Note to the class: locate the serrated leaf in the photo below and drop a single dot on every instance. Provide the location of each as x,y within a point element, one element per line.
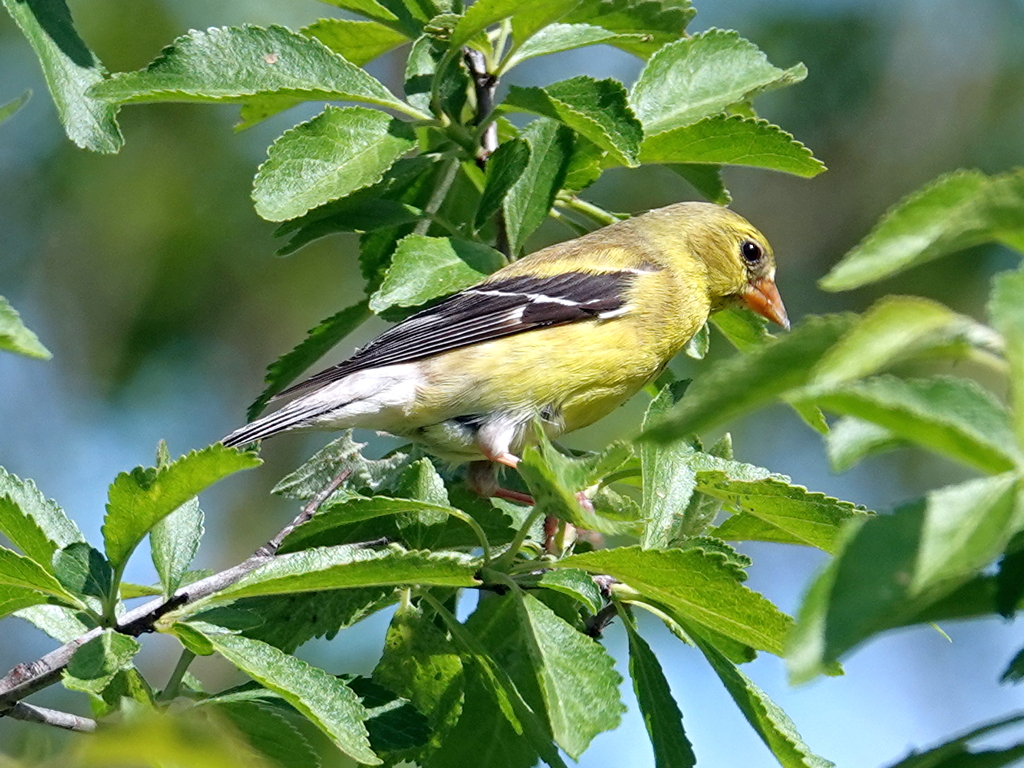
<point>97,662</point>
<point>15,337</point>
<point>706,179</point>
<point>346,566</point>
<point>812,519</point>
<point>421,664</point>
<point>324,699</point>
<point>139,499</point>
<point>575,583</point>
<point>318,342</point>
<point>892,567</point>
<point>596,109</point>
<point>661,714</point>
<point>695,585</point>
<point>643,26</point>
<point>585,166</point>
<point>174,542</point>
<point>33,523</point>
<point>1005,308</point>
<point>394,724</point>
<point>70,68</point>
<point>731,140</point>
<point>560,671</point>
<point>530,198</point>
<point>765,717</point>
<point>956,211</point>
<point>18,574</point>
<point>850,440</point>
<point>504,167</point>
<point>233,64</point>
<point>12,106</point>
<point>370,8</point>
<point>744,329</point>
<point>61,623</point>
<point>357,41</point>
<point>957,752</point>
<point>898,328</point>
<point>425,268</point>
<point>83,570</point>
<point>703,75</point>
<point>741,384</point>
<point>554,38</point>
<point>555,479</point>
<point>270,733</point>
<point>336,457</point>
<point>952,416</point>
<point>336,153</point>
<point>527,17</point>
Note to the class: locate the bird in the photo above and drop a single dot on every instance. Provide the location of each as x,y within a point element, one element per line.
<point>562,337</point>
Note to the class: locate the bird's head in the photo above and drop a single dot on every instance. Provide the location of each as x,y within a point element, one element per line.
<point>737,258</point>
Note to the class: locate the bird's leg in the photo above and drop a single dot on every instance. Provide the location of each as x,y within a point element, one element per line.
<point>482,480</point>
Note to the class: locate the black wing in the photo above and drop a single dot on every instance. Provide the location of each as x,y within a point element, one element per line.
<point>486,312</point>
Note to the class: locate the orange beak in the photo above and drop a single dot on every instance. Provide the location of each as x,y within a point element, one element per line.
<point>763,297</point>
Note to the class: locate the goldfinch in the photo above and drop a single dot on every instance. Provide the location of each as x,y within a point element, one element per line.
<point>566,335</point>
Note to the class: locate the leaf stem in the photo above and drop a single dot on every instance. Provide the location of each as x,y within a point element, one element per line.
<point>591,211</point>
<point>504,563</point>
<point>170,690</point>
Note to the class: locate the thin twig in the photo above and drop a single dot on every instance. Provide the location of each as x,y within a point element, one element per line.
<point>54,717</point>
<point>26,679</point>
<point>485,85</point>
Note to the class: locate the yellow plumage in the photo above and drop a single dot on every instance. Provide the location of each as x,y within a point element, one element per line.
<point>566,334</point>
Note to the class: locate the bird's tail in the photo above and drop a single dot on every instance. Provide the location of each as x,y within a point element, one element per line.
<point>295,415</point>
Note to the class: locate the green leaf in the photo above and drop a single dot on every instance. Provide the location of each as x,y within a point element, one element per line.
<point>324,699</point>
<point>892,567</point>
<point>957,752</point>
<point>597,109</point>
<point>661,714</point>
<point>425,268</point>
<point>527,16</point>
<point>139,499</point>
<point>18,573</point>
<point>70,68</point>
<point>174,542</point>
<point>642,26</point>
<point>699,587</point>
<point>365,475</point>
<point>741,384</point>
<point>530,199</point>
<point>394,724</point>
<point>504,167</point>
<point>318,342</point>
<point>764,715</point>
<point>15,337</point>
<point>370,8</point>
<point>555,479</point>
<point>351,566</point>
<point>1006,307</point>
<point>701,76</point>
<point>357,41</point>
<point>744,329</point>
<point>554,38</point>
<point>12,106</point>
<point>559,671</point>
<point>851,439</point>
<point>336,153</point>
<point>33,523</point>
<point>954,417</point>
<point>233,64</point>
<point>270,733</point>
<point>59,622</point>
<point>421,664</point>
<point>572,582</point>
<point>731,140</point>
<point>97,662</point>
<point>811,519</point>
<point>585,166</point>
<point>83,570</point>
<point>898,328</point>
<point>706,179</point>
<point>956,211</point>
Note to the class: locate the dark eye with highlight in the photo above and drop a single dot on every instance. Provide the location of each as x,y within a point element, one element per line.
<point>751,252</point>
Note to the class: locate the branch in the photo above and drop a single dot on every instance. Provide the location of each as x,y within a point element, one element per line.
<point>54,717</point>
<point>485,84</point>
<point>26,679</point>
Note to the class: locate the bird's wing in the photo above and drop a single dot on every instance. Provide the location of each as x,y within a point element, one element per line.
<point>486,312</point>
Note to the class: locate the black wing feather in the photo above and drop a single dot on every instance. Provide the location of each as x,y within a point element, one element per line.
<point>486,312</point>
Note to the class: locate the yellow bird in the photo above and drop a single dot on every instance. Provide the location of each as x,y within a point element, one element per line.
<point>566,335</point>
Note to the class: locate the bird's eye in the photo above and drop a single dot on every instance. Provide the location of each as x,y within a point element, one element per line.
<point>751,251</point>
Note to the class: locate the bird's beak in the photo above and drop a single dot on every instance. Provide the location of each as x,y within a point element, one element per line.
<point>763,297</point>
